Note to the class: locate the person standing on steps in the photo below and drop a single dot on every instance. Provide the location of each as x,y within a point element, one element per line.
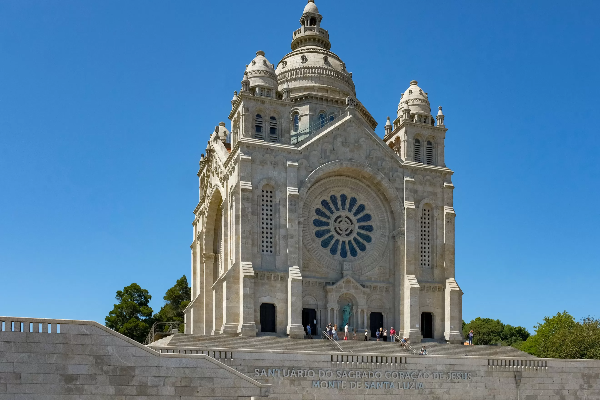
<point>470,336</point>
<point>366,335</point>
<point>308,331</point>
<point>346,332</point>
<point>393,334</point>
<point>385,335</point>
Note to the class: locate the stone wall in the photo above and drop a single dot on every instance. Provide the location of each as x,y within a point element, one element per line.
<point>64,359</point>
<point>88,361</point>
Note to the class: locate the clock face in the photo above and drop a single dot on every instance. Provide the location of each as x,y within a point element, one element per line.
<point>343,225</point>
<point>344,221</point>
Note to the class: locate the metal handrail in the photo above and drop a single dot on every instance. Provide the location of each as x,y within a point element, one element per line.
<point>172,326</point>
<point>406,345</point>
<point>313,128</point>
<point>326,336</point>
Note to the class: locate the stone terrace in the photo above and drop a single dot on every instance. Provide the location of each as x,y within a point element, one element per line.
<point>276,344</point>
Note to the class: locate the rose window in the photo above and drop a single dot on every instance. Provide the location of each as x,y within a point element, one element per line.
<point>343,226</point>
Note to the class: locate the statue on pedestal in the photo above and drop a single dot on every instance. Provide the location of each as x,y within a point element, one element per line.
<point>347,311</point>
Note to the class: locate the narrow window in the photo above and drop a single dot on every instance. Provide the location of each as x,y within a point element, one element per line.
<point>258,125</point>
<point>429,153</point>
<point>417,150</point>
<point>322,119</point>
<point>426,237</point>
<point>296,122</point>
<point>273,129</point>
<point>331,117</point>
<point>266,221</point>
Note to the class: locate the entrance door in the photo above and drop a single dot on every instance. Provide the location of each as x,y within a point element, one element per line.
<point>309,315</point>
<point>427,325</point>
<point>376,322</point>
<point>267,317</point>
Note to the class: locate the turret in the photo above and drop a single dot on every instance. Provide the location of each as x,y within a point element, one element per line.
<point>388,127</point>
<point>440,117</point>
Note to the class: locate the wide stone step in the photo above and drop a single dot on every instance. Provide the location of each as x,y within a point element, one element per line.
<point>274,343</point>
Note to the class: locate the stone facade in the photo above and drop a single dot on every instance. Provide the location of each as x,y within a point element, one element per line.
<point>303,209</point>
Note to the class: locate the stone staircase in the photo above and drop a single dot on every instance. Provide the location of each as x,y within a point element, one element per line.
<point>274,343</point>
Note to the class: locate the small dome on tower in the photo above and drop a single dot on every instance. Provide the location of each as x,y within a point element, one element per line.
<point>311,7</point>
<point>416,99</point>
<point>261,72</point>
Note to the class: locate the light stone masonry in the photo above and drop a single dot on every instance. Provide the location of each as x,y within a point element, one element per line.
<point>301,194</point>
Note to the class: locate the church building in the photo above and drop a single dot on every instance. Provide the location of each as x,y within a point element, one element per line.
<point>306,216</point>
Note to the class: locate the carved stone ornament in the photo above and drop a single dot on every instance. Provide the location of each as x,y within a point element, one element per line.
<point>345,221</point>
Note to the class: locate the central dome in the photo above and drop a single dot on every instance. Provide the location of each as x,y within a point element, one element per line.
<point>311,67</point>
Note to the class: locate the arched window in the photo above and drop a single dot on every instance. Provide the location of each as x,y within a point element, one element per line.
<point>273,129</point>
<point>296,122</point>
<point>266,220</point>
<point>258,127</point>
<point>322,119</point>
<point>331,117</point>
<point>417,150</point>
<point>426,219</point>
<point>429,153</point>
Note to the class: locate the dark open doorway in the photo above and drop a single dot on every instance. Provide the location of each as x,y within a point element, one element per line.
<point>267,317</point>
<point>427,325</point>
<point>376,320</point>
<point>309,315</point>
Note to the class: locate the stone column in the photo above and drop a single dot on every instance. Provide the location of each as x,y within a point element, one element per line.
<point>294,309</point>
<point>195,324</point>
<point>247,326</point>
<point>217,308</point>
<point>365,319</point>
<point>208,260</point>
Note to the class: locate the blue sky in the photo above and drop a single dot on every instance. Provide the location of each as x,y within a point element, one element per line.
<point>106,106</point>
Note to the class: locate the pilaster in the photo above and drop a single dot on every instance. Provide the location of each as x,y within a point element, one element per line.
<point>412,313</point>
<point>399,239</point>
<point>231,302</point>
<point>247,326</point>
<point>453,312</point>
<point>294,309</point>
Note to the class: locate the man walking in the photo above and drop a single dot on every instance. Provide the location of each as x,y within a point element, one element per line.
<point>308,333</point>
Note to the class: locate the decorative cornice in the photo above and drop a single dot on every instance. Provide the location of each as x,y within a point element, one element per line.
<point>303,72</point>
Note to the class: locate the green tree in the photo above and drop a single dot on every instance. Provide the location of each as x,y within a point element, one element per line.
<point>486,330</point>
<point>493,331</point>
<point>132,316</point>
<point>176,300</point>
<point>561,336</point>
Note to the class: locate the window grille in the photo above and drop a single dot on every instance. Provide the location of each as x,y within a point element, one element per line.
<point>429,153</point>
<point>417,150</point>
<point>426,238</point>
<point>322,119</point>
<point>266,221</point>
<point>258,127</point>
<point>273,129</point>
